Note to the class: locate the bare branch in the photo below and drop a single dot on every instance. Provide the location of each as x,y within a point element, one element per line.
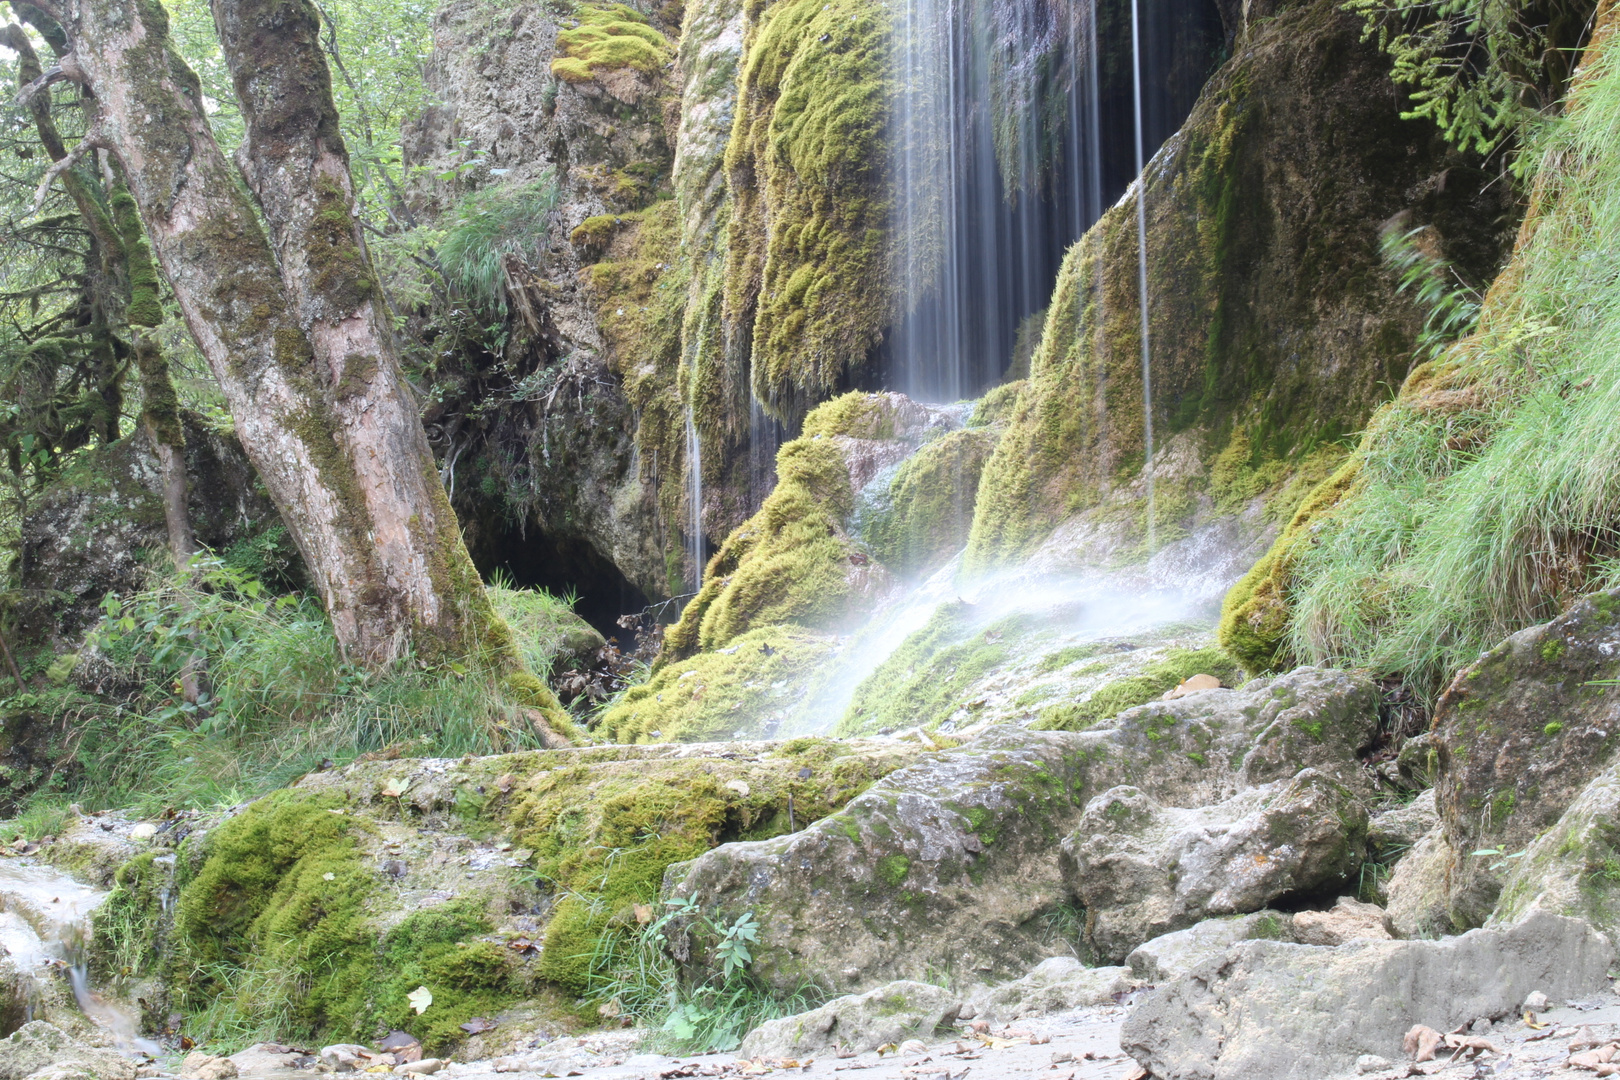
<point>91,140</point>
<point>53,75</point>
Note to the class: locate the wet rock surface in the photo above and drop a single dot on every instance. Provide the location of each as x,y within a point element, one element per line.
<point>856,1023</point>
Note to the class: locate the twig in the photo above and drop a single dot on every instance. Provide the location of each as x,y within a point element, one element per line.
<point>91,140</point>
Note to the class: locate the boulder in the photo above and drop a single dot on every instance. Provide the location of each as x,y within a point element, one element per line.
<point>1171,955</point>
<point>1275,1011</point>
<point>37,1046</point>
<point>1142,869</point>
<point>1574,867</point>
<point>1518,737</point>
<point>892,1013</point>
<point>1416,894</point>
<point>951,863</point>
<point>1395,831</point>
<point>1348,920</point>
<point>200,1066</point>
<point>1056,984</point>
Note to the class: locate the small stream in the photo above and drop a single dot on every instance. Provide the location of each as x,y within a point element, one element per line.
<point>45,930</point>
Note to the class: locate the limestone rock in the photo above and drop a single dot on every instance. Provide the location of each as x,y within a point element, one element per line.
<point>951,862</point>
<point>1397,830</point>
<point>1347,920</point>
<point>1416,892</point>
<point>342,1057</point>
<point>37,1046</point>
<point>200,1066</point>
<point>1171,955</point>
<point>1056,984</point>
<point>1273,1011</point>
<point>891,1013</point>
<point>1520,735</point>
<point>1142,869</point>
<point>1574,867</point>
<point>266,1059</point>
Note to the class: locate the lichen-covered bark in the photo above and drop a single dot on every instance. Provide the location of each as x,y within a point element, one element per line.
<point>305,366</point>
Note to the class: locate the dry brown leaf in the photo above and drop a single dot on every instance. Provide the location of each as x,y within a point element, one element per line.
<point>1421,1042</point>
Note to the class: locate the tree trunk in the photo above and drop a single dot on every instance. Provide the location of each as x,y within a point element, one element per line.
<point>314,388</point>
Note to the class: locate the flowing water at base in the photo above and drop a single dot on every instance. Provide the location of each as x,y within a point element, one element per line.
<point>45,930</point>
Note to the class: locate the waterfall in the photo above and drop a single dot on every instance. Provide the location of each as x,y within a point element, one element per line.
<point>694,501</point>
<point>1141,267</point>
<point>1015,123</point>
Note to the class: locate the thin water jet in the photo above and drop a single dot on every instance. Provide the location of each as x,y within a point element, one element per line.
<point>1141,269</point>
<point>694,501</point>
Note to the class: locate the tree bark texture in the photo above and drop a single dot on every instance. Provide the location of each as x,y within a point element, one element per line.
<point>300,348</point>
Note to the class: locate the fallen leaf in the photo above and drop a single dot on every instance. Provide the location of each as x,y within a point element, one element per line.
<point>478,1025</point>
<point>644,914</point>
<point>993,1043</point>
<point>739,786</point>
<point>396,787</point>
<point>504,784</point>
<point>888,1048</point>
<point>420,999</point>
<point>1530,1021</point>
<point>1421,1042</point>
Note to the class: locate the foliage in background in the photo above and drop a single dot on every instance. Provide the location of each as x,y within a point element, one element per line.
<point>1487,497</point>
<point>1482,70</point>
<point>280,700</point>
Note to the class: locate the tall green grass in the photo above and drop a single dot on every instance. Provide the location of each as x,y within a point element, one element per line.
<point>280,699</point>
<point>1490,500</point>
<point>488,226</point>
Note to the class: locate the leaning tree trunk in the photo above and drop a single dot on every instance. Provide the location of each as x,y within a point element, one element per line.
<point>315,390</point>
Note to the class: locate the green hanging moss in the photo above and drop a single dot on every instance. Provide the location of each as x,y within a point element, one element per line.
<point>640,291</point>
<point>856,414</point>
<point>807,273</point>
<point>609,37</point>
<point>145,304</point>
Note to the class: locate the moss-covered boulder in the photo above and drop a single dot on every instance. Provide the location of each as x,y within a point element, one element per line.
<point>97,526</point>
<point>923,515</point>
<point>751,689</point>
<point>950,865</point>
<point>505,885</point>
<point>1274,327</point>
<point>1519,737</point>
<point>798,560</point>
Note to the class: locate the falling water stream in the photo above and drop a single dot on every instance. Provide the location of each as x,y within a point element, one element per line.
<point>1141,267</point>
<point>694,500</point>
<point>45,930</point>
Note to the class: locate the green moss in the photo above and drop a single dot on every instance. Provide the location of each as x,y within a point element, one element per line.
<point>145,303</point>
<point>603,836</point>
<point>1254,615</point>
<point>856,414</point>
<point>639,293</point>
<point>1552,729</point>
<point>923,682</point>
<point>127,930</point>
<point>742,692</point>
<point>930,506</point>
<point>609,37</point>
<point>892,870</point>
<point>1552,650</point>
<point>1153,681</point>
<point>996,407</point>
<point>807,267</point>
<point>792,562</point>
<point>342,276</point>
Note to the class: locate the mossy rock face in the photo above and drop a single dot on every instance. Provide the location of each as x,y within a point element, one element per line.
<point>807,271</point>
<point>950,865</point>
<point>495,882</point>
<point>793,562</point>
<point>609,37</point>
<point>927,510</point>
<point>1271,312</point>
<point>1519,736</point>
<point>86,534</point>
<point>751,689</point>
<point>1155,678</point>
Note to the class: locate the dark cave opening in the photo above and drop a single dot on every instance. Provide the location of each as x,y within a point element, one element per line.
<point>562,565</point>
